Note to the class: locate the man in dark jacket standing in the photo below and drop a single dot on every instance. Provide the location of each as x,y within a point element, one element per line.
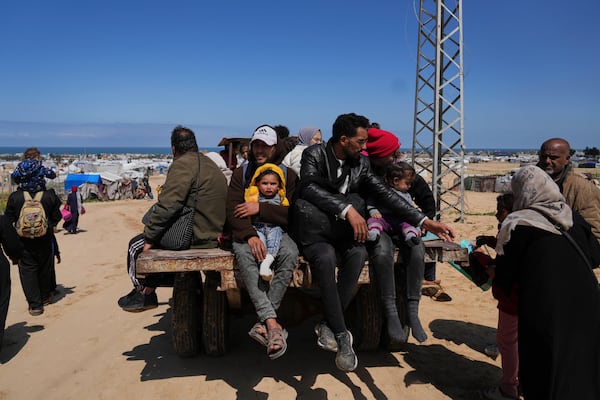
<point>332,175</point>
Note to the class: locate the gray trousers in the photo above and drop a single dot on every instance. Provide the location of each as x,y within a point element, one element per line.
<point>410,258</point>
<point>267,297</point>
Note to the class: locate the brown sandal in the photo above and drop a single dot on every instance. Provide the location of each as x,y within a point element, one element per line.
<point>435,290</point>
<point>277,344</point>
<point>440,295</point>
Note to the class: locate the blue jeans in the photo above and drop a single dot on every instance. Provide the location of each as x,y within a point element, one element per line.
<point>270,235</point>
<point>267,297</point>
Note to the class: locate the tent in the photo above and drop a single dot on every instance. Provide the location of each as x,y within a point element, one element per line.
<point>80,179</point>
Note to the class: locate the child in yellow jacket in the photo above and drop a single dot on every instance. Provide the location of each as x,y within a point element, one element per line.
<point>267,185</point>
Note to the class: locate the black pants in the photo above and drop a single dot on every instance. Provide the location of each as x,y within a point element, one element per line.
<point>35,270</point>
<point>336,296</point>
<point>4,294</point>
<point>135,247</point>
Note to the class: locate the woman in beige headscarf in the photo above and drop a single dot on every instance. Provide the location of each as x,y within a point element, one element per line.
<point>559,300</point>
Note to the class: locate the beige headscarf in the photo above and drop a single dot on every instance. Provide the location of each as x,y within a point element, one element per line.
<point>538,203</point>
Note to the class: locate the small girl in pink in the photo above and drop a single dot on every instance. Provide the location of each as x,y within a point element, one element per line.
<point>508,318</point>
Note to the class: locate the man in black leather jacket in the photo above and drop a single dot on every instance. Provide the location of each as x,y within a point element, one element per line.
<point>329,173</point>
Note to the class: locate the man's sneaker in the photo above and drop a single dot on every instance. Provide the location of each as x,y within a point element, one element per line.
<point>125,299</point>
<point>325,337</point>
<point>345,359</point>
<point>140,302</point>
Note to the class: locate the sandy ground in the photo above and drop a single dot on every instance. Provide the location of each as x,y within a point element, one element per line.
<point>84,346</point>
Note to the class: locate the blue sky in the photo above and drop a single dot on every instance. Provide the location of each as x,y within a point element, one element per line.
<point>123,73</point>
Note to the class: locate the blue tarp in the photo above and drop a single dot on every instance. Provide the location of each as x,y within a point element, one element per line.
<point>80,179</point>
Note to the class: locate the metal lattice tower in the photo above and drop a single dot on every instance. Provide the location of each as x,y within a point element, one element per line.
<point>438,142</point>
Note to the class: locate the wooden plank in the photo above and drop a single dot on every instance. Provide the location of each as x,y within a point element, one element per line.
<point>157,260</point>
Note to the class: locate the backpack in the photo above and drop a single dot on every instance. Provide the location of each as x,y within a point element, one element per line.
<point>32,222</point>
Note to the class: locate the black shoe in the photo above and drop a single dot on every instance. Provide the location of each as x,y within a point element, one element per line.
<point>140,302</point>
<point>47,300</point>
<point>125,299</point>
<point>35,311</point>
<point>345,359</point>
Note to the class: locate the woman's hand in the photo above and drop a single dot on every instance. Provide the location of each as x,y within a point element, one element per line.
<point>247,209</point>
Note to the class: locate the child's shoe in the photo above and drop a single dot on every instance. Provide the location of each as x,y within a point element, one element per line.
<point>373,235</point>
<point>265,268</point>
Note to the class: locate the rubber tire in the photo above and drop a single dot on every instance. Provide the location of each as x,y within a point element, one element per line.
<point>186,319</point>
<point>215,322</point>
<point>365,318</point>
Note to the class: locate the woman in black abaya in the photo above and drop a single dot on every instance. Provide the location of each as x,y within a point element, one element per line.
<point>559,300</point>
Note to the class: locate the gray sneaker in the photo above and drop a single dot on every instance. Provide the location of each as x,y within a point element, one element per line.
<point>345,359</point>
<point>325,337</point>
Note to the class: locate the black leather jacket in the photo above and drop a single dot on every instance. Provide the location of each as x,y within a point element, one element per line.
<point>314,166</point>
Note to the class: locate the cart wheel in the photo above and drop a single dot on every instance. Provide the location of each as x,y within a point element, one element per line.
<point>215,324</point>
<point>186,320</point>
<point>365,318</point>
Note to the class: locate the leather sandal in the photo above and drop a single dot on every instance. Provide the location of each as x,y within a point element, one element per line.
<point>277,344</point>
<point>259,333</point>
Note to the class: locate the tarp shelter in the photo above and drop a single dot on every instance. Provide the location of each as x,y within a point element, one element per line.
<point>80,179</point>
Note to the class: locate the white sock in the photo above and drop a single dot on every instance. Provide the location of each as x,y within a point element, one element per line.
<point>265,267</point>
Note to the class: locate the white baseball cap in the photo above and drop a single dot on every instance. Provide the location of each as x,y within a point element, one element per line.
<point>265,134</point>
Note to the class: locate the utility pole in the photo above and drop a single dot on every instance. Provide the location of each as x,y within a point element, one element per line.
<point>438,135</point>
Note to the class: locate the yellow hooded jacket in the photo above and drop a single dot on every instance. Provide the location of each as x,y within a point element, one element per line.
<point>251,193</point>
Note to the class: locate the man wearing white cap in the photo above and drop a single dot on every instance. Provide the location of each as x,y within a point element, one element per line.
<point>250,250</point>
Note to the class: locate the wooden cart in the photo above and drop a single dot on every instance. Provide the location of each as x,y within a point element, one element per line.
<point>206,285</point>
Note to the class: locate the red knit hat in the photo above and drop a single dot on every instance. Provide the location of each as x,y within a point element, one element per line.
<point>73,188</point>
<point>381,143</point>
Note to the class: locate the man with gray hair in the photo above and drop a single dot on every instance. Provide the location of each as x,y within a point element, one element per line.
<point>580,194</point>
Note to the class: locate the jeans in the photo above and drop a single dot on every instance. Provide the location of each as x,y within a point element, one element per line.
<point>429,274</point>
<point>267,297</point>
<point>270,235</point>
<point>381,264</point>
<point>336,296</point>
<point>410,258</point>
